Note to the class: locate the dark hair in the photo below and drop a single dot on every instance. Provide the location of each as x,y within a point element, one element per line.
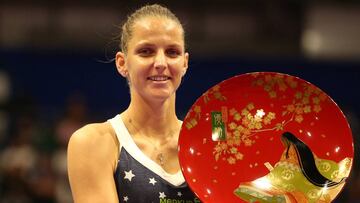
<point>154,10</point>
<point>307,161</point>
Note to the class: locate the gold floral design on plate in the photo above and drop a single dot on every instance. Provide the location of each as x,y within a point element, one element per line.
<point>194,114</point>
<point>245,124</point>
<point>250,120</point>
<point>214,93</point>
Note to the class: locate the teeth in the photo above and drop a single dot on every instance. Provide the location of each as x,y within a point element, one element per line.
<point>158,78</point>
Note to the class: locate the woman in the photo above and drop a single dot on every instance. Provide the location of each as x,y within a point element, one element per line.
<point>133,156</point>
<point>299,176</point>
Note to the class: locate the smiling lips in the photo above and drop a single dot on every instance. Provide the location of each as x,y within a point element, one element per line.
<point>159,78</point>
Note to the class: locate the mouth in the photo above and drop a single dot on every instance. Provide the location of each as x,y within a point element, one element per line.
<point>158,78</point>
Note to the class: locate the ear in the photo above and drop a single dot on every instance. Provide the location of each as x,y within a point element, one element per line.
<point>186,62</point>
<point>120,64</point>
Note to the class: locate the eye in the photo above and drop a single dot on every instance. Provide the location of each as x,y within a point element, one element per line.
<point>145,51</point>
<point>173,52</point>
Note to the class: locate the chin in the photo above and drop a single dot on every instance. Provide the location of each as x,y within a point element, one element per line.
<point>162,95</point>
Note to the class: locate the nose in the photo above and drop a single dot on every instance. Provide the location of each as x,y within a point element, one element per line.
<point>160,61</point>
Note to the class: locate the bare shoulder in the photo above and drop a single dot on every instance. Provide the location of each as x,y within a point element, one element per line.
<point>94,129</point>
<point>94,134</point>
<point>92,157</point>
<point>96,141</point>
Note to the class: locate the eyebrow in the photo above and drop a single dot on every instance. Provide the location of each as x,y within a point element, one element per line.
<point>144,44</point>
<point>147,44</point>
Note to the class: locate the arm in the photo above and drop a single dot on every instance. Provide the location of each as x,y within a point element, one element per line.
<point>92,157</point>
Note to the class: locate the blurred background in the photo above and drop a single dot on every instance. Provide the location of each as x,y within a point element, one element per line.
<point>57,73</point>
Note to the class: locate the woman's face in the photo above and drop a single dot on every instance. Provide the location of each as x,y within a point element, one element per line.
<point>156,60</point>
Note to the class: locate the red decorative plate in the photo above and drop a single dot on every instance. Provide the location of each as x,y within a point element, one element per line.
<point>265,137</point>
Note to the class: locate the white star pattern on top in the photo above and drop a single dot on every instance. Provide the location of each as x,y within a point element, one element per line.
<point>179,194</point>
<point>152,181</point>
<point>129,175</point>
<point>162,195</point>
<point>126,198</point>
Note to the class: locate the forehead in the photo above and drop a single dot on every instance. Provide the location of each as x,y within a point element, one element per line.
<point>157,27</point>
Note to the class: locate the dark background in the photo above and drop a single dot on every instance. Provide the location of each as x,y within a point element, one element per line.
<point>57,73</point>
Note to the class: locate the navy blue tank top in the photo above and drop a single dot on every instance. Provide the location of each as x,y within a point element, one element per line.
<point>139,179</point>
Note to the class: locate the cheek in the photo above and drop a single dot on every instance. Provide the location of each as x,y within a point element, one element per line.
<point>136,71</point>
<point>178,67</point>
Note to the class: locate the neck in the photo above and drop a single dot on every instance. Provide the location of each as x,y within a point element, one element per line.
<point>154,117</point>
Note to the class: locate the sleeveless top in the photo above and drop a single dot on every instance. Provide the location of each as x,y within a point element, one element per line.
<point>139,179</point>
